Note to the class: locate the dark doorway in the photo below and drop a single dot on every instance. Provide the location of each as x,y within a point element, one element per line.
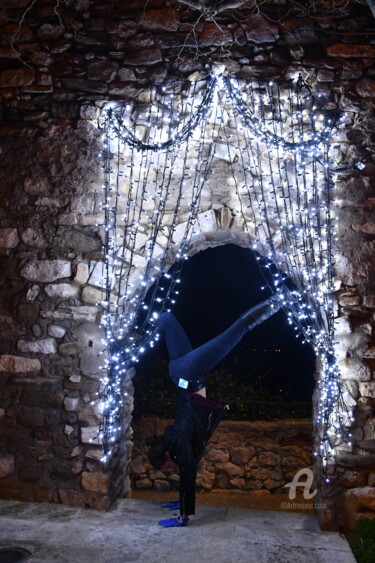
<point>217,285</point>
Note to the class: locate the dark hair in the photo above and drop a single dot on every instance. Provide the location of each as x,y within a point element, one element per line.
<point>156,453</point>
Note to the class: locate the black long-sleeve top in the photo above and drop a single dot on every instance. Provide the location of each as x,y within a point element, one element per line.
<point>196,419</point>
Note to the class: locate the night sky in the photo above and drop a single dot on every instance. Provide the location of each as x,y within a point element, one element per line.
<point>219,284</point>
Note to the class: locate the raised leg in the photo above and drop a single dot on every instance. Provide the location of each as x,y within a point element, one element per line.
<point>193,366</point>
<point>176,338</point>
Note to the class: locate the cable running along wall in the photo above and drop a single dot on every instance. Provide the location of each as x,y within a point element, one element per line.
<point>164,152</point>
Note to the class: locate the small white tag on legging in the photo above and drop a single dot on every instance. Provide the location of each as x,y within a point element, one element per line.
<point>183,383</point>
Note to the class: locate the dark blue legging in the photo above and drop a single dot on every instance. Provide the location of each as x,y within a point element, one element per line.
<point>188,365</point>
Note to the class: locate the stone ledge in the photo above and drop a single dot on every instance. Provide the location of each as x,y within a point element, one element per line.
<point>356,461</point>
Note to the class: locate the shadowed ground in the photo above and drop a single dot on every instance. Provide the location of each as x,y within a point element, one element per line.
<point>259,500</point>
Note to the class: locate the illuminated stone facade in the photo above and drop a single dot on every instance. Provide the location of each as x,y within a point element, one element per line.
<point>54,80</point>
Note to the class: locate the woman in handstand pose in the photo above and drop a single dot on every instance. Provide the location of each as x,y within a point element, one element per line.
<point>183,443</point>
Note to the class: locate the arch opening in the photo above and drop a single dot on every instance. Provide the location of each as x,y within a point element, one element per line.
<point>267,381</point>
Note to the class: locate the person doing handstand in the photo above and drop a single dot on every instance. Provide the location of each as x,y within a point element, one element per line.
<point>183,443</point>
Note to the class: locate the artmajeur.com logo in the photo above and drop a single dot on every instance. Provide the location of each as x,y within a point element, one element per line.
<point>305,483</point>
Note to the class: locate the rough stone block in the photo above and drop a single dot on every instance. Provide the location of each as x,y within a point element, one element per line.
<point>349,300</point>
<point>95,454</point>
<point>356,501</point>
<point>17,77</point>
<point>161,485</point>
<point>71,497</point>
<point>32,292</point>
<point>122,28</point>
<point>146,57</point>
<point>347,50</point>
<point>95,482</point>
<point>71,403</point>
<point>36,186</point>
<point>17,364</point>
<point>89,111</point>
<point>97,274</point>
<point>90,219</point>
<point>231,469</point>
<point>27,311</point>
<point>217,455</point>
<point>56,331</point>
<point>300,31</point>
<point>369,301</point>
<point>67,219</point>
<point>352,479</point>
<point>351,386</point>
<point>68,429</point>
<point>44,346</point>
<point>222,481</point>
<point>143,483</point>
<point>370,352</point>
<point>64,290</point>
<point>166,19</point>
<point>49,31</point>
<point>79,242</point>
<point>82,273</point>
<point>34,238</point>
<point>271,484</point>
<point>91,363</point>
<point>50,202</point>
<point>369,226</point>
<point>352,369</point>
<point>75,378</point>
<point>213,34</point>
<point>207,221</point>
<point>102,70</point>
<point>92,295</point>
<point>90,435</point>
<point>260,30</point>
<point>367,389</point>
<point>366,89</point>
<point>240,456</point>
<point>342,326</point>
<point>137,466</point>
<point>85,85</point>
<point>205,479</point>
<point>79,313</point>
<point>238,483</point>
<point>126,74</point>
<point>9,238</point>
<point>90,335</point>
<point>325,75</point>
<point>7,464</point>
<point>46,270</point>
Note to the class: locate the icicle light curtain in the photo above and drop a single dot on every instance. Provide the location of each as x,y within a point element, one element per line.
<point>162,152</point>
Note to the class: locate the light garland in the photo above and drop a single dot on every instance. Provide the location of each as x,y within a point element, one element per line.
<point>157,160</point>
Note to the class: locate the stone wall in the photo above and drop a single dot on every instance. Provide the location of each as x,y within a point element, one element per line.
<point>248,456</point>
<point>58,67</point>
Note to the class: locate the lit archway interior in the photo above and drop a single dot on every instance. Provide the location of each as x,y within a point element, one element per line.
<point>262,156</point>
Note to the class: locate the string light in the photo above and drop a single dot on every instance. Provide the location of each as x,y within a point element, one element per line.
<point>158,157</point>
